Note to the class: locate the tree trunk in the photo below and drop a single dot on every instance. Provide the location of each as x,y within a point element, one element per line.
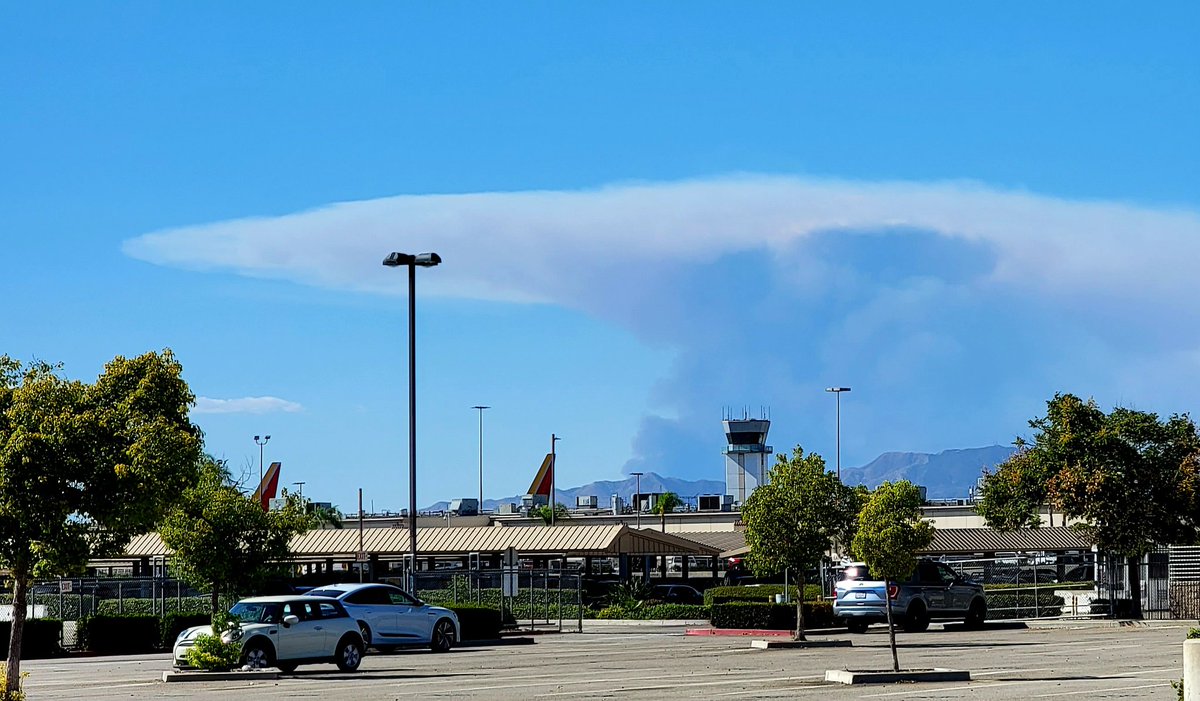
<point>12,677</point>
<point>800,608</point>
<point>891,628</point>
<point>215,603</point>
<point>1135,586</point>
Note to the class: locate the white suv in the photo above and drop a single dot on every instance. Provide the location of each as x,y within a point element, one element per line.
<point>286,631</point>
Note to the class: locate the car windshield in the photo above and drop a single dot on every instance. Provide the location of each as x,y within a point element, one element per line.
<point>255,613</point>
<point>855,572</point>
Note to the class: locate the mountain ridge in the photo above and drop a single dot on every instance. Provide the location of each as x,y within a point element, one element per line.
<point>949,474</point>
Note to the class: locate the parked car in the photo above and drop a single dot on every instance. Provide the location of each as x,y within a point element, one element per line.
<point>933,592</point>
<point>677,594</point>
<point>286,631</point>
<point>389,618</point>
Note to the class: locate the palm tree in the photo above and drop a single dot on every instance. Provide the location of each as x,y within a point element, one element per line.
<point>667,503</point>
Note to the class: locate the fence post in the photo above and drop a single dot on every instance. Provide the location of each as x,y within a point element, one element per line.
<point>120,600</point>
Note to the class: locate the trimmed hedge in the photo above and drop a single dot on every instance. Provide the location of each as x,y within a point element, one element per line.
<point>117,635</point>
<point>173,623</point>
<point>42,637</point>
<point>764,593</point>
<point>478,622</point>
<point>656,612</point>
<point>761,616</point>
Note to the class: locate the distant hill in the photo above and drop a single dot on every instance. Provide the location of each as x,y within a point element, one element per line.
<point>946,475</point>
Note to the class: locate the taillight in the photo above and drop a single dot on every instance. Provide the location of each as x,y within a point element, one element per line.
<point>893,590</point>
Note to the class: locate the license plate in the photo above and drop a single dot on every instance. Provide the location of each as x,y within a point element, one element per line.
<point>860,595</point>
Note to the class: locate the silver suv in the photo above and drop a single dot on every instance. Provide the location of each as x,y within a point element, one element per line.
<point>934,591</point>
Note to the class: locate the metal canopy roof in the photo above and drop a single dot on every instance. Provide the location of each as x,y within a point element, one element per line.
<point>970,541</point>
<point>432,542</point>
<point>960,541</point>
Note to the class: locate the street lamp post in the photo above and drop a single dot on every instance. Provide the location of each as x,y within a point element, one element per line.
<point>300,490</point>
<point>637,500</point>
<point>837,392</point>
<point>260,456</point>
<point>553,470</point>
<point>480,408</point>
<point>425,260</point>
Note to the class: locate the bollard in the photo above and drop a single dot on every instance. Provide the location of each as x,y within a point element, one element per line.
<point>1191,670</point>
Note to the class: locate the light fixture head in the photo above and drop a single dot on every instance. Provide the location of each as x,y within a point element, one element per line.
<point>425,260</point>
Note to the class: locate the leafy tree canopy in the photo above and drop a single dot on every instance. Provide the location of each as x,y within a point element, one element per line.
<point>85,467</point>
<point>793,519</point>
<point>222,540</point>
<point>1131,478</point>
<point>890,530</point>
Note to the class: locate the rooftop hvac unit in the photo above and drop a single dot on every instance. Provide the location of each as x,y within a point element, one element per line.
<point>585,502</point>
<point>464,507</point>
<point>277,504</point>
<point>617,504</point>
<point>709,502</point>
<point>508,509</point>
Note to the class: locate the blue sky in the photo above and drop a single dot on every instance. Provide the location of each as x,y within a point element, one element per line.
<point>648,212</point>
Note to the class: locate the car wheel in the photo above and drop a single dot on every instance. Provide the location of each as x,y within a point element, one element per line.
<point>349,654</point>
<point>286,667</point>
<point>365,631</point>
<point>917,618</point>
<point>976,615</point>
<point>258,655</point>
<point>857,627</point>
<point>444,636</point>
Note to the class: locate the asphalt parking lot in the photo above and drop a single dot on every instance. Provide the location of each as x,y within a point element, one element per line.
<point>660,662</point>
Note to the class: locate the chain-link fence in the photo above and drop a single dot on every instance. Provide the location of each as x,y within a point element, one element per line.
<point>527,599</point>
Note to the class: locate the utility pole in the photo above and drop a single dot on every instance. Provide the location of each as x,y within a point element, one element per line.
<point>553,474</point>
<point>637,500</point>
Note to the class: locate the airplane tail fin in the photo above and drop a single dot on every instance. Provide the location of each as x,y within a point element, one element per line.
<point>545,477</point>
<point>269,486</point>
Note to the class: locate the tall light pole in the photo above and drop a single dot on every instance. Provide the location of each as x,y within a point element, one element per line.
<point>837,392</point>
<point>260,456</point>
<point>480,408</point>
<point>553,476</point>
<point>425,260</point>
<point>300,490</point>
<point>637,500</point>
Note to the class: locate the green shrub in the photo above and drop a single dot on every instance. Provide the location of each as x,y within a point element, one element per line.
<point>654,612</point>
<point>613,613</point>
<point>212,654</point>
<point>764,593</point>
<point>478,622</point>
<point>1193,633</point>
<point>114,635</point>
<point>42,637</point>
<point>763,616</point>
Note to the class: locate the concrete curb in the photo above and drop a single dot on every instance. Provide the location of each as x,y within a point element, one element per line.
<point>257,675</point>
<point>797,644</point>
<point>846,676</point>
<point>1082,623</point>
<point>498,642</point>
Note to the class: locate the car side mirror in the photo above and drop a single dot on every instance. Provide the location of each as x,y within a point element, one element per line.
<point>290,620</point>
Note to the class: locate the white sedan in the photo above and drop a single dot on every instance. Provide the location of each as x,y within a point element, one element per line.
<point>286,631</point>
<point>390,618</point>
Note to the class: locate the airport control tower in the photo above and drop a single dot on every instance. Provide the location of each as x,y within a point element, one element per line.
<point>746,456</point>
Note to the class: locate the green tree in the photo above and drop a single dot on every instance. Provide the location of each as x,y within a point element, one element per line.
<point>793,519</point>
<point>666,504</point>
<point>1130,479</point>
<point>222,540</point>
<point>890,532</point>
<point>542,511</point>
<point>85,467</point>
